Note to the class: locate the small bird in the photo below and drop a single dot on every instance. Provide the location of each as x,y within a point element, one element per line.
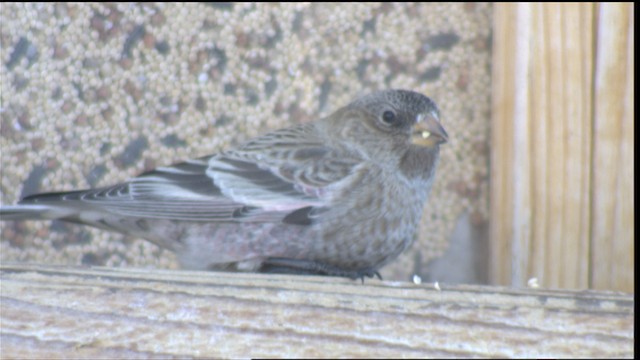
<point>339,196</point>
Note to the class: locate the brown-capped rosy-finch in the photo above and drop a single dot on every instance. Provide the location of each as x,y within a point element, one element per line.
<point>339,196</point>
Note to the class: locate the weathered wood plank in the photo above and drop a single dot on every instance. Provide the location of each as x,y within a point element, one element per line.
<point>53,312</point>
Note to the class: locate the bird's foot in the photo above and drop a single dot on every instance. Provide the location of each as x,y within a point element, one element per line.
<point>309,267</point>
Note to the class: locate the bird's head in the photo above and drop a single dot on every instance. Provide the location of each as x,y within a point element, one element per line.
<point>392,122</point>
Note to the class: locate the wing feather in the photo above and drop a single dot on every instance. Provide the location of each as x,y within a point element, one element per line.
<point>288,174</point>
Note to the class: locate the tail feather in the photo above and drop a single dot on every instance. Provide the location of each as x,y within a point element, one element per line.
<point>45,206</point>
<point>34,212</point>
<point>50,197</point>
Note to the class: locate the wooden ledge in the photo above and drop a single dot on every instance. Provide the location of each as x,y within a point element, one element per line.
<point>55,312</point>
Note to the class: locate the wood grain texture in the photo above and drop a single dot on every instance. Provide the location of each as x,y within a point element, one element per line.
<point>59,312</point>
<point>613,189</point>
<point>502,142</point>
<point>562,155</point>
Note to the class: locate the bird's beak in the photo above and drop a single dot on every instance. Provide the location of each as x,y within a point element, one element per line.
<point>428,131</point>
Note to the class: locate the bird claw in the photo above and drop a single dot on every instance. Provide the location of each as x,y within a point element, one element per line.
<point>309,267</point>
<point>368,273</point>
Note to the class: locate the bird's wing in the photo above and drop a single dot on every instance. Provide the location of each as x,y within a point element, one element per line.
<point>282,176</point>
<point>283,170</point>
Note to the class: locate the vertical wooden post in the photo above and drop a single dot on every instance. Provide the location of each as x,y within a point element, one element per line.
<point>612,210</point>
<point>562,145</point>
<point>505,27</point>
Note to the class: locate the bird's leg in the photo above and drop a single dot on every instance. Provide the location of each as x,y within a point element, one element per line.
<point>309,267</point>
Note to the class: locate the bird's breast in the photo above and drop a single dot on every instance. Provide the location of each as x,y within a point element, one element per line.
<point>372,222</point>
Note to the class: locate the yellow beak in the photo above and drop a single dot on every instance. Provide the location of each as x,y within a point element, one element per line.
<point>428,131</point>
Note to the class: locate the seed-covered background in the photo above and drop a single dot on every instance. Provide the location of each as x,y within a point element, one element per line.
<point>93,94</point>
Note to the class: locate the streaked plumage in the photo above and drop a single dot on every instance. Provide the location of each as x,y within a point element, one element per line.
<point>339,196</point>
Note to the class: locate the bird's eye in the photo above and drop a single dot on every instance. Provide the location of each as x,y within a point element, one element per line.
<point>389,117</point>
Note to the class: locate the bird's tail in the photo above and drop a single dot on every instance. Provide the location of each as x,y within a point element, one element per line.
<point>49,206</point>
<point>33,212</point>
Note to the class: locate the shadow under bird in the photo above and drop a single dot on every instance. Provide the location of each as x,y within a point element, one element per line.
<point>339,196</point>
